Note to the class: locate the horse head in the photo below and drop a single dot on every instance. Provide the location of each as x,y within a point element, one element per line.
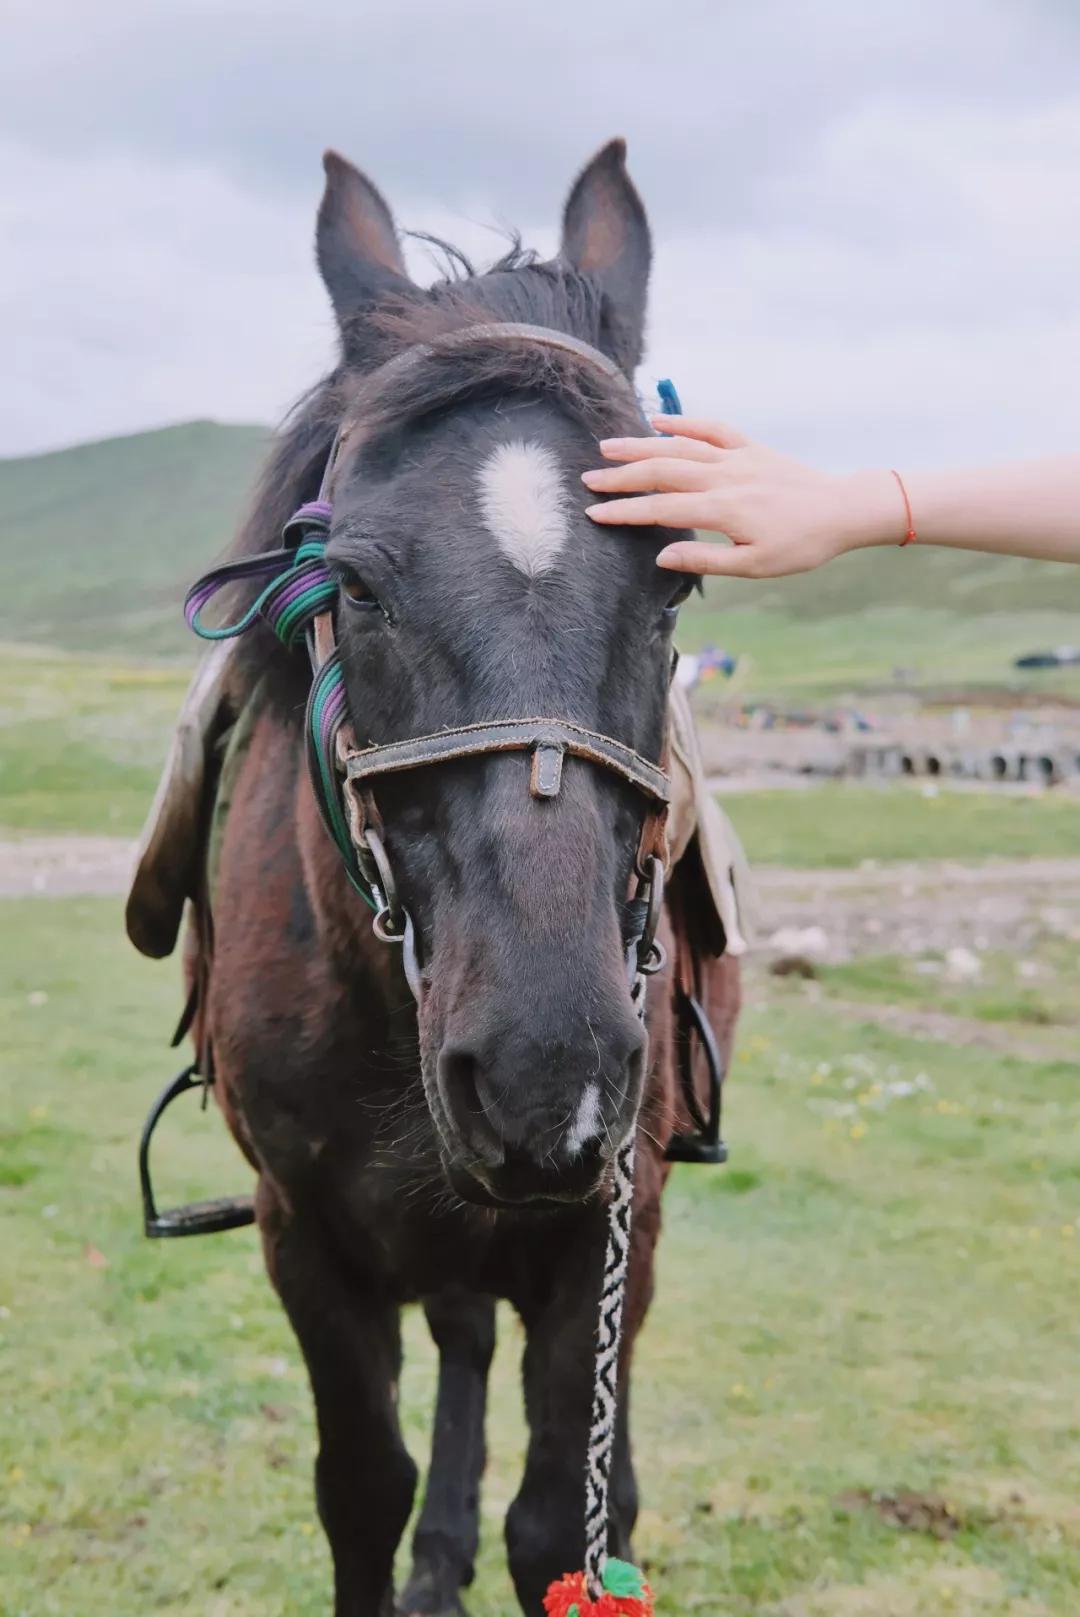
<point>474,589</point>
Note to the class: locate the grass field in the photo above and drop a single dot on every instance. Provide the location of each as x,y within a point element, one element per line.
<point>856,1396</point>
<point>82,739</point>
<point>842,825</point>
<point>1041,994</point>
<point>804,659</point>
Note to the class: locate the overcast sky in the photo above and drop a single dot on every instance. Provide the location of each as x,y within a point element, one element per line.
<point>867,215</point>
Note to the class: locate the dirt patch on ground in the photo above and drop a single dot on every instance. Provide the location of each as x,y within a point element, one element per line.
<point>1051,1044</point>
<point>64,866</point>
<point>914,909</point>
<point>939,909</point>
<point>907,1509</point>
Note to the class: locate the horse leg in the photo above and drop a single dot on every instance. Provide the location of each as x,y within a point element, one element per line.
<point>545,1533</point>
<point>364,1478</point>
<point>447,1534</point>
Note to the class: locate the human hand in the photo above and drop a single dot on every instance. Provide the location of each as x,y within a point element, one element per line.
<point>780,516</point>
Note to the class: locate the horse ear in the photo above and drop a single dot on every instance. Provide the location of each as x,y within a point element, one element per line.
<point>606,236</point>
<point>355,240</point>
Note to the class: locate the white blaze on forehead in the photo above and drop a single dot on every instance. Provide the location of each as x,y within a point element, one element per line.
<point>586,1125</point>
<point>524,505</point>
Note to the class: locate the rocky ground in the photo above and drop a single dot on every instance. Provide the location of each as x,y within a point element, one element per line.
<point>911,909</point>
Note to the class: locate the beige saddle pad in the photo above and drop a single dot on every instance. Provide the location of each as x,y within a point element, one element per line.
<point>169,861</point>
<point>694,813</point>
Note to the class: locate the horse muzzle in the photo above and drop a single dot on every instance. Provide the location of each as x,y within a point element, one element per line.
<point>520,1182</point>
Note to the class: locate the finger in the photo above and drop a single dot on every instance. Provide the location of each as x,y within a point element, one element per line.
<point>657,448</point>
<point>665,475</point>
<point>668,510</point>
<point>718,433</point>
<point>726,561</point>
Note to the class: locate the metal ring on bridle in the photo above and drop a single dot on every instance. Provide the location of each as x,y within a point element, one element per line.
<point>389,922</point>
<point>384,928</point>
<point>647,944</point>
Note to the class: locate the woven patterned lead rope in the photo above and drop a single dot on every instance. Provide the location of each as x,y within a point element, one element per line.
<point>606,1372</point>
<point>609,1329</point>
<point>610,1317</point>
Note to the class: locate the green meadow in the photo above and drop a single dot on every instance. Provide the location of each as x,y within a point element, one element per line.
<point>855,1397</point>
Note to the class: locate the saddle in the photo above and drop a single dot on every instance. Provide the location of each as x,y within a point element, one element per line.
<point>708,899</point>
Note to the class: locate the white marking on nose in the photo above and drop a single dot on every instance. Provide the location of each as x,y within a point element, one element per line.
<point>586,1124</point>
<point>524,505</point>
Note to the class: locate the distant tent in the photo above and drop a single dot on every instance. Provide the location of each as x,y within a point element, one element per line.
<point>693,667</point>
<point>1062,657</point>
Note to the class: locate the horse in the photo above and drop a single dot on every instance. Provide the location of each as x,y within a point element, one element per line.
<point>438,1124</point>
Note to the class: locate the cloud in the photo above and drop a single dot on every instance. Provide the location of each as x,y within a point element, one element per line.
<point>866,217</point>
<point>137,298</point>
<point>440,99</point>
<point>914,296</point>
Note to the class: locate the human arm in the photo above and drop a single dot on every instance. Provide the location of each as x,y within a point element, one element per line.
<point>784,517</point>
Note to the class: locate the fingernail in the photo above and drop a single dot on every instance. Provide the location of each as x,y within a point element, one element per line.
<point>590,478</point>
<point>667,556</point>
<point>593,510</point>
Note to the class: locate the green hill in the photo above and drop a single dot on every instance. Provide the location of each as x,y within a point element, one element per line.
<point>952,580</point>
<point>98,543</point>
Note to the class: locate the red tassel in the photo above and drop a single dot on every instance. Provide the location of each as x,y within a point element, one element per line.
<point>569,1597</point>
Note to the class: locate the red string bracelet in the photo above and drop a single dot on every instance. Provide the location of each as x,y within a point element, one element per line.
<point>911,534</point>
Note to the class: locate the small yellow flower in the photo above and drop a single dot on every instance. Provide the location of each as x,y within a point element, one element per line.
<point>858,1130</point>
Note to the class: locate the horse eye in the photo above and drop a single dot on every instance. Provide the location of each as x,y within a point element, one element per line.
<point>356,591</point>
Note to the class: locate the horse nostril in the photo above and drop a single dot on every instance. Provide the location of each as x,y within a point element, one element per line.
<point>635,1070</point>
<point>459,1081</point>
<point>457,1069</point>
<point>593,1150</point>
